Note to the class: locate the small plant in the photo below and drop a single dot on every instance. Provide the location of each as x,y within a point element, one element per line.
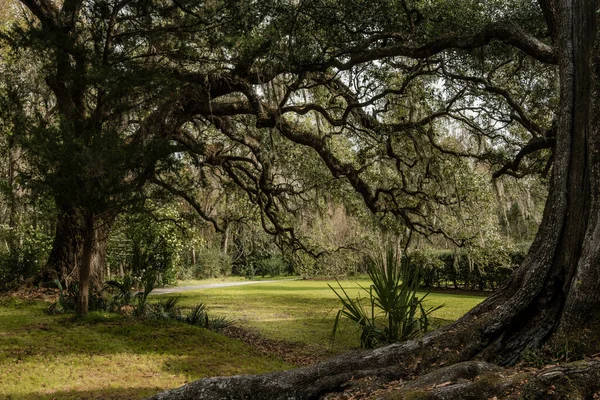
<point>217,324</point>
<point>123,291</point>
<point>169,310</point>
<point>67,299</point>
<point>393,311</point>
<point>198,315</point>
<point>164,310</point>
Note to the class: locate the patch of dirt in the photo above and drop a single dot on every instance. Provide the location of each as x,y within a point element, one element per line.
<point>298,354</point>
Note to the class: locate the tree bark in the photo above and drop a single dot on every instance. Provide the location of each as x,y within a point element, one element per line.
<point>14,195</point>
<point>555,291</point>
<point>89,239</point>
<point>67,251</point>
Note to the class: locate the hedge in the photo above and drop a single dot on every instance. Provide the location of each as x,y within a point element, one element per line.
<point>458,270</point>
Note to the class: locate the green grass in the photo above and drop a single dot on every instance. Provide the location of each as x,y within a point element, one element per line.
<point>303,311</point>
<point>110,357</point>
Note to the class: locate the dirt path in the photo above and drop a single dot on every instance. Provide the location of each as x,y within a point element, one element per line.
<point>179,289</point>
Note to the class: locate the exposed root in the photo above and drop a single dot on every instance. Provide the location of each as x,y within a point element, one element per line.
<point>577,380</point>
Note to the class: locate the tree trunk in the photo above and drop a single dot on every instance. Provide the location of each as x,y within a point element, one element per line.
<point>85,267</point>
<point>99,265</point>
<point>556,290</point>
<point>225,238</point>
<point>67,251</point>
<point>14,194</point>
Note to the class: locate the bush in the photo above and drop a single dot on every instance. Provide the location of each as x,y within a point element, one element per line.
<point>393,312</point>
<point>24,261</point>
<point>168,309</point>
<point>484,269</point>
<point>67,300</point>
<point>212,262</point>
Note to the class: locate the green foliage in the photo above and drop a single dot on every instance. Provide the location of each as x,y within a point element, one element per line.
<point>122,291</point>
<point>24,260</point>
<point>394,311</point>
<point>169,310</point>
<point>198,316</point>
<point>67,300</point>
<point>264,265</point>
<point>147,243</point>
<point>212,262</point>
<point>165,309</point>
<point>486,268</point>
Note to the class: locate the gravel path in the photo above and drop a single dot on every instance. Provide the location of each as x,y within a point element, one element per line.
<point>179,289</point>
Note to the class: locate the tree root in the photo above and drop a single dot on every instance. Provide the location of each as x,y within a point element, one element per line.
<point>577,380</point>
<point>463,380</point>
<point>393,362</point>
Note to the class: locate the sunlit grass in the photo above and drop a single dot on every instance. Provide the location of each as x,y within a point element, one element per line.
<point>108,356</point>
<point>304,311</point>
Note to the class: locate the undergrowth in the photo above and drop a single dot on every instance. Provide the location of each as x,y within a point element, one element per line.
<point>120,295</point>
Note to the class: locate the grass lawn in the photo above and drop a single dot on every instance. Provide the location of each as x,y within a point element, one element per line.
<point>302,310</point>
<point>108,356</point>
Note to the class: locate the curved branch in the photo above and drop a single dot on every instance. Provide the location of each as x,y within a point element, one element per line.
<point>533,146</point>
<point>505,31</point>
<point>180,193</point>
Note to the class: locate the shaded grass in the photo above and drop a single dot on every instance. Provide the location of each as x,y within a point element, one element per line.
<point>304,311</point>
<point>107,356</point>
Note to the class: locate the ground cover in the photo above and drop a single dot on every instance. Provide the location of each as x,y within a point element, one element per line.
<point>110,357</point>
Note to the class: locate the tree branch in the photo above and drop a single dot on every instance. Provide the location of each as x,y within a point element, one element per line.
<point>44,10</point>
<point>505,31</point>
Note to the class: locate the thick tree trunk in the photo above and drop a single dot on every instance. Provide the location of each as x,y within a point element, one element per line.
<point>557,289</point>
<point>99,267</point>
<point>67,251</point>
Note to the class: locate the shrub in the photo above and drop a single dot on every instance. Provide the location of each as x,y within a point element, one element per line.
<point>393,311</point>
<point>481,269</point>
<point>25,260</point>
<point>168,309</point>
<point>67,299</point>
<point>263,263</point>
<point>212,262</point>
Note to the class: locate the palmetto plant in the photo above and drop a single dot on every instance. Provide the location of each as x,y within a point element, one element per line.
<point>392,311</point>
